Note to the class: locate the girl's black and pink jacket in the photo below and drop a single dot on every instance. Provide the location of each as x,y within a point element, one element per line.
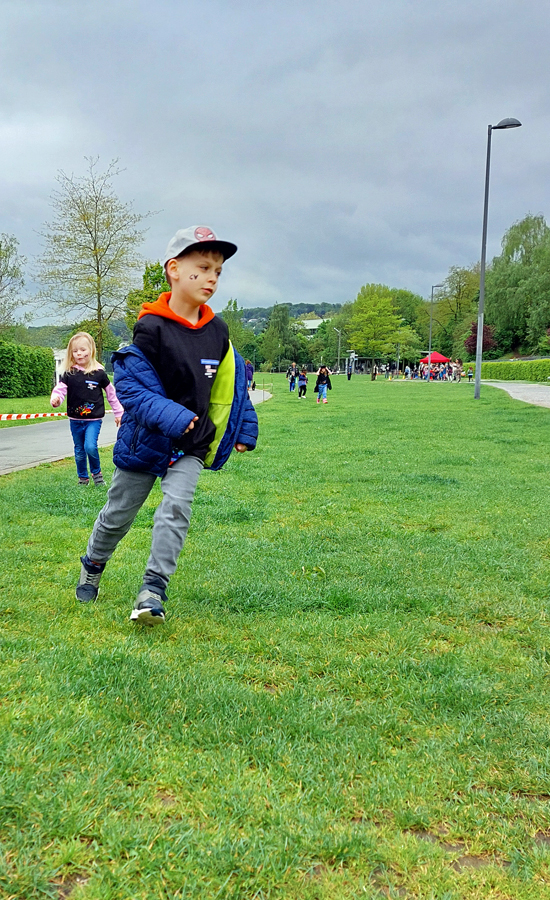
<point>85,394</point>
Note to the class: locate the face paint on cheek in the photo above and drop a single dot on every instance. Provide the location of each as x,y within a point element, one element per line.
<point>193,277</point>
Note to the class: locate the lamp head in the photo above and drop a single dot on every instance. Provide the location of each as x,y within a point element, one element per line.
<point>507,123</point>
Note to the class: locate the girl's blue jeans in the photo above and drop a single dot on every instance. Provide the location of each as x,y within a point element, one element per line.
<point>323,391</point>
<point>85,435</point>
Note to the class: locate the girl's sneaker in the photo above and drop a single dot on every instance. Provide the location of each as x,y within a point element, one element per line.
<point>98,479</point>
<point>325,401</point>
<point>87,588</point>
<point>83,480</point>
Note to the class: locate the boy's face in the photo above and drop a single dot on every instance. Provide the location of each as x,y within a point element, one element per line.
<point>194,276</point>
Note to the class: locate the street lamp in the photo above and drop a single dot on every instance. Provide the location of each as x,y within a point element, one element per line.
<point>434,287</point>
<point>339,333</point>
<point>502,125</point>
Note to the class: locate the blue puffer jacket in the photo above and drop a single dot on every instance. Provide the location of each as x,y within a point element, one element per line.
<point>151,422</point>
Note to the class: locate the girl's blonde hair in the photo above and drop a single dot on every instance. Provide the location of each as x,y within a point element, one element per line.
<point>69,362</point>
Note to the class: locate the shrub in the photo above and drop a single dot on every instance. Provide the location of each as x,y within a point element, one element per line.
<point>25,371</point>
<point>522,370</point>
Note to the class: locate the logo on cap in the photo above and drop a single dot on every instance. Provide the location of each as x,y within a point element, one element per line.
<point>204,234</point>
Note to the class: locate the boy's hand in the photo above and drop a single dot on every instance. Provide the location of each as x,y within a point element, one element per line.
<point>191,425</point>
<point>117,420</point>
<point>56,401</point>
<point>241,448</point>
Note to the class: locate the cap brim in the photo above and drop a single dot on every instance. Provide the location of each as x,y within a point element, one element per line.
<point>226,248</point>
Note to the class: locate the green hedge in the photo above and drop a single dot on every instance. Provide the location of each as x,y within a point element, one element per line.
<point>25,371</point>
<point>523,370</point>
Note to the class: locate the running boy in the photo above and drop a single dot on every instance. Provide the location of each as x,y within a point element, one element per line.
<point>186,406</point>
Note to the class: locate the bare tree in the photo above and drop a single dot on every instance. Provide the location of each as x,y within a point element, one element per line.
<point>11,279</point>
<point>90,246</point>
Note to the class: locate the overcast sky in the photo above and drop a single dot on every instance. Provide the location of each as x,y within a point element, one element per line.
<point>337,142</point>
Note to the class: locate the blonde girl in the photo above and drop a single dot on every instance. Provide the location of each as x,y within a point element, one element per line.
<point>83,381</point>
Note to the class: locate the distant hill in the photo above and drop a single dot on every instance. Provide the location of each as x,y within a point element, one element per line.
<point>257,317</point>
<point>57,336</point>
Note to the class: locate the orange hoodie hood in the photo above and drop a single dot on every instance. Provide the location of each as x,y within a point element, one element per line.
<point>161,307</point>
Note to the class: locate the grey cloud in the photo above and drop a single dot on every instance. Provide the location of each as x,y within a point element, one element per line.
<point>336,143</point>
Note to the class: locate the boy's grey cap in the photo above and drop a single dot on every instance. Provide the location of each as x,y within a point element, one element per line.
<point>199,235</point>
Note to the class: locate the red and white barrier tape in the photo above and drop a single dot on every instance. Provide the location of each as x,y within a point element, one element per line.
<point>8,416</point>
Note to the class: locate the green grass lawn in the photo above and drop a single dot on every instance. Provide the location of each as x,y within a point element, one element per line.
<point>350,697</point>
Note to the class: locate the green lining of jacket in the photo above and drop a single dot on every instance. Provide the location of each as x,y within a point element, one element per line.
<point>221,401</point>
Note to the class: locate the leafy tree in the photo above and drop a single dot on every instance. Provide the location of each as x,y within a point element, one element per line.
<point>374,324</point>
<point>278,342</point>
<point>504,308</point>
<point>407,305</point>
<point>409,343</point>
<point>11,280</point>
<point>544,342</point>
<point>243,339</point>
<point>325,342</point>
<point>518,286</point>
<point>232,315</point>
<point>90,246</point>
<point>460,290</point>
<point>488,344</point>
<point>523,238</point>
<point>154,284</point>
<point>455,303</point>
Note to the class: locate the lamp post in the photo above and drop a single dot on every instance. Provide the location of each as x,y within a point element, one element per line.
<point>502,125</point>
<point>339,333</point>
<point>434,286</point>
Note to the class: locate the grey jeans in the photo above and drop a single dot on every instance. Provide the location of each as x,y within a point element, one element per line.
<point>127,494</point>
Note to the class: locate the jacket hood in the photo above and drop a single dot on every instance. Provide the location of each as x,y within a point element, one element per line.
<point>162,308</point>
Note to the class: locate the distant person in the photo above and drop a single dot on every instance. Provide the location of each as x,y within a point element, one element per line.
<point>179,370</point>
<point>349,370</point>
<point>292,375</point>
<point>470,374</point>
<point>323,383</point>
<point>249,373</point>
<point>302,384</point>
<point>83,381</point>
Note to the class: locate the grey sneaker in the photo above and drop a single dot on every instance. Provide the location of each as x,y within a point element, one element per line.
<point>87,588</point>
<point>148,608</point>
<point>98,479</point>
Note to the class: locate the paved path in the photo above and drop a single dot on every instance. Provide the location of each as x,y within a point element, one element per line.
<point>536,394</point>
<point>25,446</point>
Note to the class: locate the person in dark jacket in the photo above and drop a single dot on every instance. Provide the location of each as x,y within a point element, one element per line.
<point>292,375</point>
<point>249,373</point>
<point>186,406</point>
<point>323,383</point>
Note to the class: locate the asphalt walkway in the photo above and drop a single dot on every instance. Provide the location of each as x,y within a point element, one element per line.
<point>536,394</point>
<point>26,446</point>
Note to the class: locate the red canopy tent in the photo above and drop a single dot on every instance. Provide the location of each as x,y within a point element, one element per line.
<point>436,358</point>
